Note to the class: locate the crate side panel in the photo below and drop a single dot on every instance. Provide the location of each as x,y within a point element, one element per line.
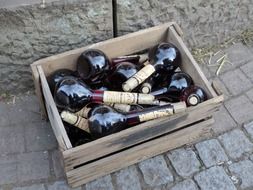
<point>138,153</point>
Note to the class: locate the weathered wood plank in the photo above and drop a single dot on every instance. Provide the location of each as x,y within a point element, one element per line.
<point>137,134</point>
<point>54,117</point>
<point>138,153</point>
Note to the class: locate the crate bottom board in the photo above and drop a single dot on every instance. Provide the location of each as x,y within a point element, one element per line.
<point>117,161</point>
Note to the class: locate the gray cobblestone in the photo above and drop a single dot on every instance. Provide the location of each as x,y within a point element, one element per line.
<point>33,166</point>
<point>184,161</point>
<point>12,140</point>
<point>236,81</point>
<point>127,179</point>
<point>32,187</point>
<point>240,108</point>
<point>155,171</point>
<point>243,170</point>
<point>251,157</point>
<point>39,136</point>
<point>223,121</point>
<point>57,164</point>
<point>61,185</point>
<point>250,94</point>
<point>4,117</point>
<point>236,143</point>
<point>211,152</point>
<point>249,128</point>
<point>102,183</point>
<point>187,184</point>
<point>214,178</point>
<point>8,169</point>
<point>248,69</point>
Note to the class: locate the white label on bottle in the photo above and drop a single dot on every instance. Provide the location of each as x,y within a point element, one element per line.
<point>138,78</point>
<point>83,124</point>
<point>127,98</point>
<point>83,112</point>
<point>156,114</point>
<point>120,107</point>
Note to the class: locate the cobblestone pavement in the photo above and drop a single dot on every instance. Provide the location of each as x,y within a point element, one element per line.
<point>29,159</point>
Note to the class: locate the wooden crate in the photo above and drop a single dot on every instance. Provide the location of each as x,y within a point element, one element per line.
<point>111,153</point>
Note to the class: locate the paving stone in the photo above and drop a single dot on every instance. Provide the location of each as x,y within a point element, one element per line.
<point>211,152</point>
<point>251,157</point>
<point>39,136</point>
<point>127,179</point>
<point>236,81</point>
<point>240,108</point>
<point>205,70</point>
<point>32,187</point>
<point>102,183</point>
<point>236,143</point>
<point>61,185</point>
<point>187,184</point>
<point>243,170</point>
<point>223,121</point>
<point>33,166</point>
<point>24,107</point>
<point>155,171</point>
<point>57,164</point>
<point>248,69</point>
<point>12,140</point>
<point>184,161</point>
<point>4,116</point>
<point>249,128</point>
<point>214,178</point>
<point>250,94</point>
<point>8,169</point>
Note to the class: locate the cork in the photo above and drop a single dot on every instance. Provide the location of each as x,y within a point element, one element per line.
<point>75,120</point>
<point>193,100</point>
<point>179,107</point>
<point>146,88</point>
<point>138,78</point>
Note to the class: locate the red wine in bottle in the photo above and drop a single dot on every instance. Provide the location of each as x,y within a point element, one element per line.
<point>175,85</point>
<point>193,95</point>
<point>123,71</point>
<point>165,58</point>
<point>73,95</point>
<point>57,76</point>
<point>93,65</point>
<point>104,120</point>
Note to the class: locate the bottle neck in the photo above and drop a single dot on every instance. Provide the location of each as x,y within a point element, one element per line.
<point>154,113</point>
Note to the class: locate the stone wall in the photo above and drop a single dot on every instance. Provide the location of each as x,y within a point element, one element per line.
<point>203,22</point>
<point>30,33</point>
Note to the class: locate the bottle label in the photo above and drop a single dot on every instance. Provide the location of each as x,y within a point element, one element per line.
<point>138,78</point>
<point>83,112</point>
<point>156,114</point>
<point>120,107</point>
<point>127,98</point>
<point>83,124</point>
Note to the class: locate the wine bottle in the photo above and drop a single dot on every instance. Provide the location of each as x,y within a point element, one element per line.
<point>93,65</point>
<point>104,120</point>
<point>76,135</point>
<point>73,95</point>
<point>122,72</point>
<point>56,76</point>
<point>193,95</point>
<point>165,58</point>
<point>84,112</point>
<point>175,85</point>
<point>137,59</point>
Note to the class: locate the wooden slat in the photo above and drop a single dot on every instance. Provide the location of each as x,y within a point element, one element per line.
<point>36,79</point>
<point>138,153</point>
<point>189,64</point>
<point>137,134</point>
<point>54,117</point>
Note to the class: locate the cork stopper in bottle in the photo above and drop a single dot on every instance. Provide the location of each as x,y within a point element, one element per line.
<point>138,78</point>
<point>179,107</point>
<point>75,120</point>
<point>193,100</point>
<point>146,88</point>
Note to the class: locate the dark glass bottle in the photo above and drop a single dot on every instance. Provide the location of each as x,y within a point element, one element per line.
<point>193,95</point>
<point>122,72</point>
<point>104,120</point>
<point>165,58</point>
<point>175,85</point>
<point>93,66</point>
<point>135,59</point>
<point>56,76</point>
<point>72,94</point>
<point>76,135</point>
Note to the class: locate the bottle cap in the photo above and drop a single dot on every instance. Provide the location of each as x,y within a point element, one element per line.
<point>179,107</point>
<point>193,100</point>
